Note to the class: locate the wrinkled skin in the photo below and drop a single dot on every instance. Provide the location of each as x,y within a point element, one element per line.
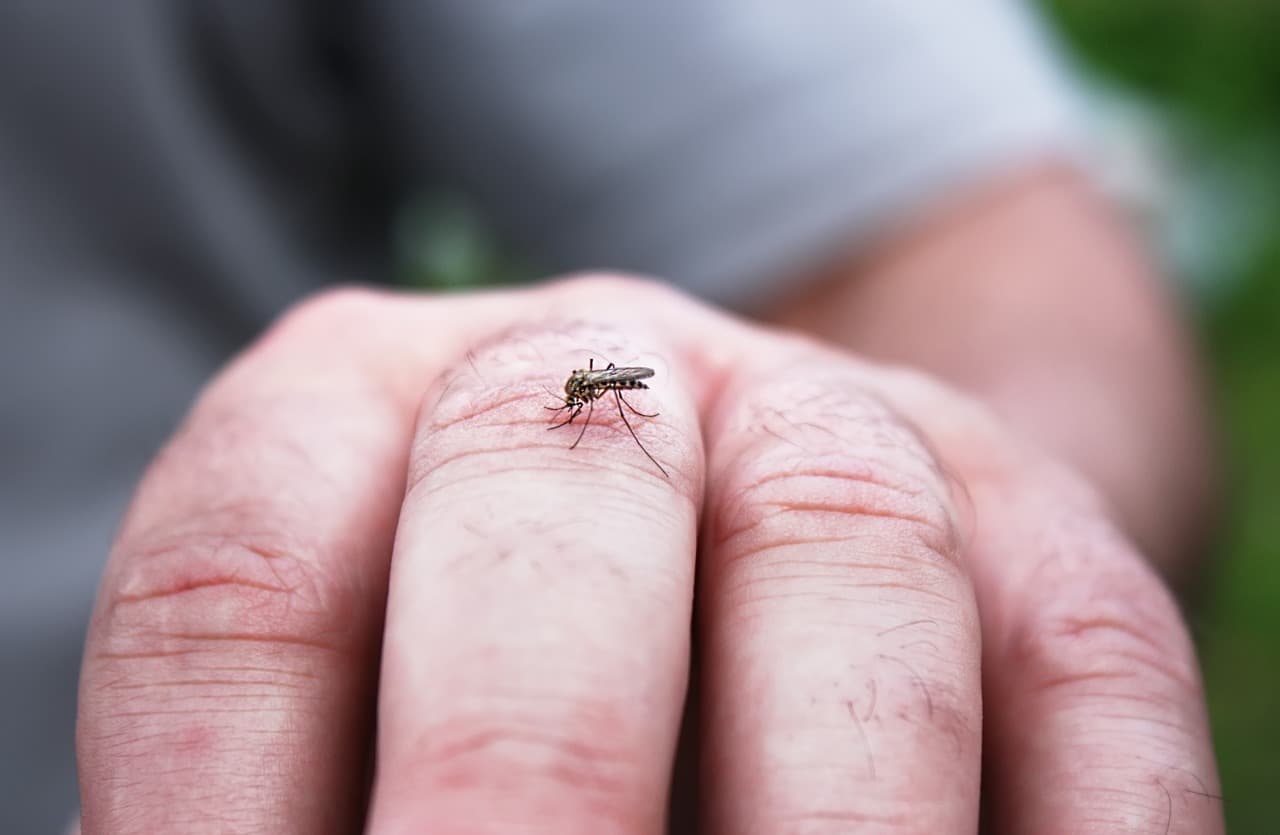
<point>902,610</point>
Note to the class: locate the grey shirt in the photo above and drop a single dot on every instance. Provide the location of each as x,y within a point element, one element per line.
<point>173,173</point>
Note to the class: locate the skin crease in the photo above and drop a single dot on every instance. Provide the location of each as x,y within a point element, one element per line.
<point>899,595</point>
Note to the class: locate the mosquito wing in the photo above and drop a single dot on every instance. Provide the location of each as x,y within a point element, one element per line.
<point>619,376</point>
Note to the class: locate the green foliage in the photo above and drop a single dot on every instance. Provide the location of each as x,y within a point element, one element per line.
<point>1241,627</point>
<point>1215,62</point>
<point>442,243</point>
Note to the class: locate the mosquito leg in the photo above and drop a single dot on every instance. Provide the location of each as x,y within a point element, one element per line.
<point>590,408</point>
<point>633,409</point>
<point>573,414</point>
<point>618,396</point>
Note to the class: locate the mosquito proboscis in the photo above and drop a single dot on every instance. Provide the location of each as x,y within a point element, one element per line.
<point>587,385</point>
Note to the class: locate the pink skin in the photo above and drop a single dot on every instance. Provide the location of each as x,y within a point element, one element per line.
<point>894,595</point>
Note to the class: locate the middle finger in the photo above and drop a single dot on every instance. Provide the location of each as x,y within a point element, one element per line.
<point>536,648</point>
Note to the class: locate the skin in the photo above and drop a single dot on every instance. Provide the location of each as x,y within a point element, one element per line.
<point>1031,294</point>
<point>904,606</point>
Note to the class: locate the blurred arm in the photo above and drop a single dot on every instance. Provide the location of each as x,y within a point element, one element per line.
<point>1034,296</point>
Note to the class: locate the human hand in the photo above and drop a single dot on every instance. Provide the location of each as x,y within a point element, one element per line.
<point>899,603</point>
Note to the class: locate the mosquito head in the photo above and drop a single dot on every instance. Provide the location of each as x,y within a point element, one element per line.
<point>576,386</point>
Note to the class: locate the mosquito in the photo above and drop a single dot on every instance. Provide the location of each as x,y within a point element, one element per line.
<point>585,386</point>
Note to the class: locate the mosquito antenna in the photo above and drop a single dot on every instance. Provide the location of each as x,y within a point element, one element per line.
<point>623,415</point>
<point>559,398</point>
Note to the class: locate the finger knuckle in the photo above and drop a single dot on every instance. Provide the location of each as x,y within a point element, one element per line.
<point>208,595</point>
<point>833,821</point>
<point>466,432</point>
<point>491,413</point>
<point>836,470</point>
<point>588,767</point>
<point>323,331</point>
<point>845,497</point>
<point>1098,621</point>
<point>842,537</point>
<point>208,650</point>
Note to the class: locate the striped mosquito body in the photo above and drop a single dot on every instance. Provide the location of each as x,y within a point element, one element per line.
<point>585,386</point>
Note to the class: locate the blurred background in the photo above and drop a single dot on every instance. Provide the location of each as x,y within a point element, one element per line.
<point>1207,78</point>
<point>1186,98</point>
